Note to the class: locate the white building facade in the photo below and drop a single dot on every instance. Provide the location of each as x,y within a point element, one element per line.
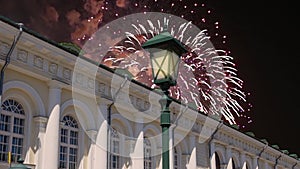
<point>58,111</point>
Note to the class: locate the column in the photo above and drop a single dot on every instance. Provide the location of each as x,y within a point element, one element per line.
<point>228,157</point>
<point>95,152</point>
<point>192,163</point>
<point>213,161</point>
<point>243,160</point>
<point>137,156</point>
<point>224,166</point>
<point>40,123</point>
<point>100,137</point>
<point>51,144</point>
<point>264,165</point>
<point>254,162</point>
<point>212,155</point>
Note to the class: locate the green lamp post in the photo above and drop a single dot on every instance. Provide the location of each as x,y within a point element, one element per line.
<point>20,165</point>
<point>165,52</point>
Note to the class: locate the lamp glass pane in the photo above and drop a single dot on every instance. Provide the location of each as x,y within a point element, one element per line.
<point>174,59</point>
<point>160,64</point>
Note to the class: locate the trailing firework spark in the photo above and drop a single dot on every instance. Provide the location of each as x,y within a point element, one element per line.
<point>207,76</point>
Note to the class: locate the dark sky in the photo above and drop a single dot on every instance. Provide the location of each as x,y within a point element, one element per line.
<point>263,39</point>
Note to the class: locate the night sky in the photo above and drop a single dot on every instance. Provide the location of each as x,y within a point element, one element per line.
<point>261,35</point>
<point>264,40</point>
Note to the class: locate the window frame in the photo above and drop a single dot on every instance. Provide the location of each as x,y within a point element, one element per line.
<point>115,158</point>
<point>148,160</point>
<point>14,110</point>
<point>68,126</point>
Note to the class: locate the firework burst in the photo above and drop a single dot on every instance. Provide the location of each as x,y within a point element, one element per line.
<point>207,76</point>
<point>78,21</point>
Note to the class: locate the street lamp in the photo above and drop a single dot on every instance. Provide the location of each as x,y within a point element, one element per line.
<point>165,52</point>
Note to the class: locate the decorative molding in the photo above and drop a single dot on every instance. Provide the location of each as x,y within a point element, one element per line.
<point>147,105</point>
<point>91,83</point>
<point>41,123</point>
<point>38,62</point>
<point>55,84</point>
<point>131,144</point>
<point>53,68</point>
<point>79,78</point>
<point>22,56</point>
<point>67,73</point>
<point>4,48</point>
<point>103,89</point>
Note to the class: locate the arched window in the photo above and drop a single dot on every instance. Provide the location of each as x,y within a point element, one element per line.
<point>218,162</point>
<point>115,150</point>
<point>68,150</point>
<point>176,159</point>
<point>12,124</point>
<point>147,154</point>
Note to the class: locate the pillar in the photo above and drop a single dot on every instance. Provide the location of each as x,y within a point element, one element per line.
<point>51,144</point>
<point>243,160</point>
<point>228,157</point>
<point>224,166</point>
<point>228,165</point>
<point>192,163</point>
<point>254,162</point>
<point>99,137</point>
<point>96,152</point>
<point>40,124</point>
<point>137,156</point>
<point>212,155</point>
<point>264,165</point>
